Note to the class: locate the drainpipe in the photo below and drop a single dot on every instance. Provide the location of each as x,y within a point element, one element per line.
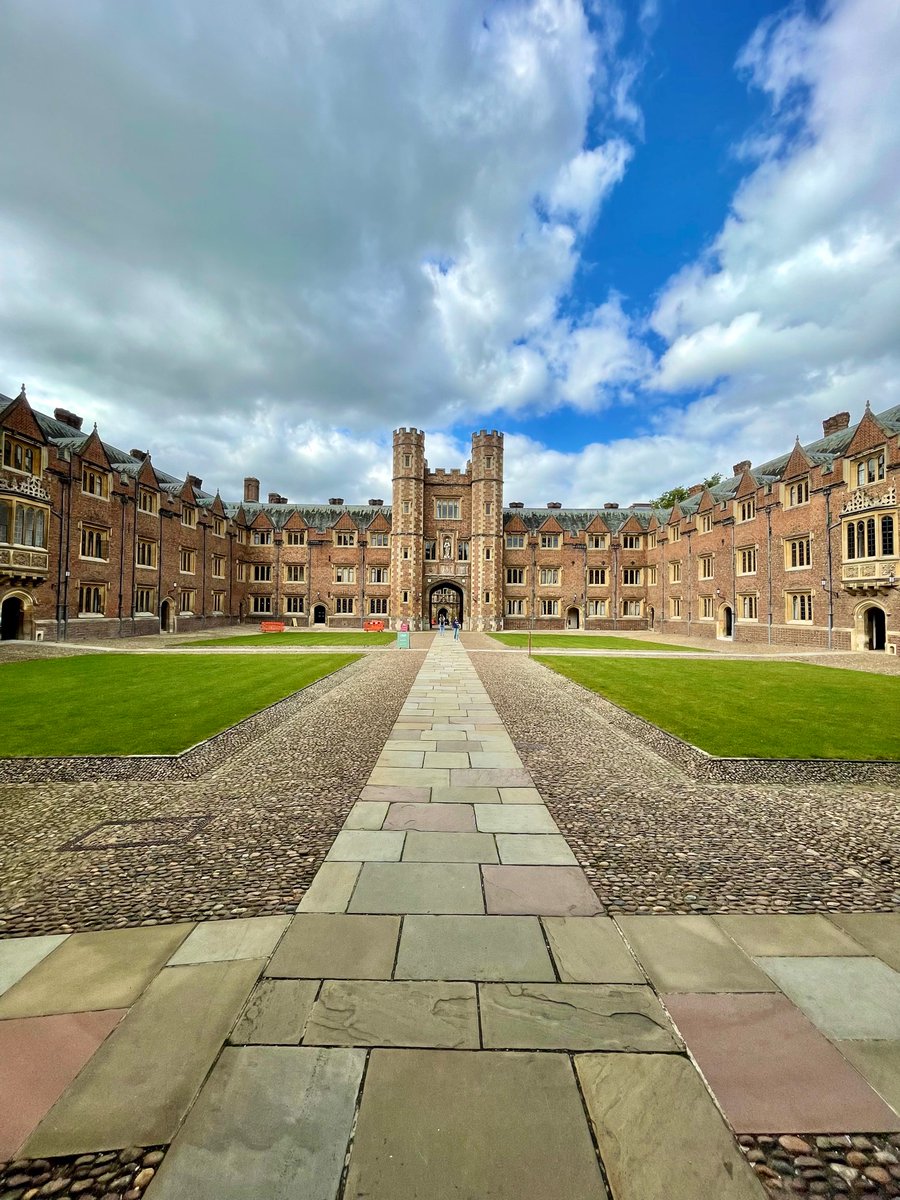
<point>124,500</point>
<point>690,580</point>
<point>769,565</point>
<point>828,552</point>
<point>68,553</point>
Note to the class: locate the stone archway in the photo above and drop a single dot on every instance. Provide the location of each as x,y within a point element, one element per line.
<point>165,616</point>
<point>573,618</point>
<point>15,617</point>
<point>725,622</point>
<point>445,598</point>
<point>320,615</point>
<point>870,628</point>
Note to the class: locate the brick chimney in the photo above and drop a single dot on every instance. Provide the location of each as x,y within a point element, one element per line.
<point>698,487</point>
<point>516,504</point>
<point>611,504</point>
<point>68,418</point>
<point>741,467</point>
<point>141,454</point>
<point>337,501</point>
<point>836,423</point>
<point>376,503</point>
<point>195,481</point>
<point>553,504</point>
<point>251,490</point>
<point>277,498</point>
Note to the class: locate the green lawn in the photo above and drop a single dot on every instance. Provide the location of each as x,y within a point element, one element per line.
<point>142,703</point>
<point>295,639</point>
<point>581,641</point>
<point>752,709</point>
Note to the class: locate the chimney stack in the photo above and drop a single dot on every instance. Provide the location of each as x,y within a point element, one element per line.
<point>276,498</point>
<point>836,423</point>
<point>251,490</point>
<point>553,504</point>
<point>376,503</point>
<point>195,481</point>
<point>141,454</point>
<point>68,418</point>
<point>516,504</point>
<point>741,467</point>
<point>610,505</point>
<point>698,487</point>
<point>336,501</point>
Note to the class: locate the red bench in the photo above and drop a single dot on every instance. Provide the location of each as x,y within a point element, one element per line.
<point>271,627</point>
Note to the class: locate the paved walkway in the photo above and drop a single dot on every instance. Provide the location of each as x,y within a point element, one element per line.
<point>449,1015</point>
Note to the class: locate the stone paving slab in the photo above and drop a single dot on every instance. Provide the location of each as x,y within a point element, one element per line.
<point>520,795</point>
<point>659,1132</point>
<point>535,849</point>
<point>296,1103</point>
<point>499,777</point>
<point>465,795</point>
<point>801,934</point>
<point>365,845</point>
<point>19,955</point>
<point>446,758</point>
<point>376,1013</point>
<point>93,971</point>
<point>225,941</point>
<point>879,1065</point>
<point>461,947</point>
<point>541,891</point>
<point>847,998</point>
<point>418,888</point>
<point>450,847</point>
<point>878,932</point>
<point>468,1125</point>
<point>403,758</point>
<point>590,950</point>
<point>395,795</point>
<point>432,818</point>
<point>514,818</point>
<point>163,1049</point>
<point>410,777</point>
<point>332,887</point>
<point>336,946</point>
<point>574,1016</point>
<point>771,1069</point>
<point>367,815</point>
<point>276,1013</point>
<point>39,1058</point>
<point>691,954</point>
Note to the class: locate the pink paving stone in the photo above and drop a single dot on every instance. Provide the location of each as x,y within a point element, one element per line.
<point>431,818</point>
<point>539,891</point>
<point>395,795</point>
<point>771,1069</point>
<point>39,1058</point>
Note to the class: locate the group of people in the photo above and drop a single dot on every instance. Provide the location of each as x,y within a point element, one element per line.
<point>442,625</point>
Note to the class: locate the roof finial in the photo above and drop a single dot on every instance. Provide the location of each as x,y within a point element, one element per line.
<point>868,402</point>
<point>95,427</point>
<point>22,395</point>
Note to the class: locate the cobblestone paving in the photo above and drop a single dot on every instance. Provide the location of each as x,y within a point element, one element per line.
<point>652,840</point>
<point>833,1166</point>
<point>115,1175</point>
<point>243,839</point>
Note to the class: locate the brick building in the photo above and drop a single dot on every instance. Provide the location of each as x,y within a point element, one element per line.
<point>97,542</point>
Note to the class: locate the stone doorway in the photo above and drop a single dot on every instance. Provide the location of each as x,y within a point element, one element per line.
<point>446,599</point>
<point>165,617</point>
<point>320,615</point>
<point>871,628</point>
<point>573,618</point>
<point>725,623</point>
<point>12,619</point>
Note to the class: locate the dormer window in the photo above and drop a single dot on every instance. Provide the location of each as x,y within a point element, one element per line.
<point>796,493</point>
<point>344,538</point>
<point>870,470</point>
<point>706,523</point>
<point>189,516</point>
<point>19,456</point>
<point>261,537</point>
<point>148,502</point>
<point>94,482</point>
<point>746,510</point>
<point>631,541</point>
<point>549,541</point>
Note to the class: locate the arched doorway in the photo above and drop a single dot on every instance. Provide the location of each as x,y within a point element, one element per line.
<point>320,615</point>
<point>12,619</point>
<point>446,599</point>
<point>871,628</point>
<point>573,618</point>
<point>725,624</point>
<point>165,617</point>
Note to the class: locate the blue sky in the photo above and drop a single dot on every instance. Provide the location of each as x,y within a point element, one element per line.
<point>645,239</point>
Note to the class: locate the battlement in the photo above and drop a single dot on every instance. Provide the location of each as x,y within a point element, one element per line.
<point>412,432</point>
<point>484,435</point>
<point>453,476</point>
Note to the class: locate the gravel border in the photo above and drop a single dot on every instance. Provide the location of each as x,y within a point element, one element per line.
<point>832,1166</point>
<point>110,1175</point>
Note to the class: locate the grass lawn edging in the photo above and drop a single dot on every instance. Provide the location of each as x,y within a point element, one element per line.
<point>185,764</point>
<point>700,765</point>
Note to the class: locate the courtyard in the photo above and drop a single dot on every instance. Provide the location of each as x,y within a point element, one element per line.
<point>414,888</point>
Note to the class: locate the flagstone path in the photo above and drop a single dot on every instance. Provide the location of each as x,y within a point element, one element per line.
<point>451,1014</point>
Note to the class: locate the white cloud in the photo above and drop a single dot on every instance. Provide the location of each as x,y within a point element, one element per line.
<point>796,302</point>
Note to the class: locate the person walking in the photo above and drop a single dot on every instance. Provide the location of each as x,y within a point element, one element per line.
<point>456,628</point>
<point>441,625</point>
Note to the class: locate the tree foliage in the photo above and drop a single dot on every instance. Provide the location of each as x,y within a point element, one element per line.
<point>676,494</point>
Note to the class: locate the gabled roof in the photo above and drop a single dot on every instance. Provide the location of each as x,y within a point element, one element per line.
<point>315,516</point>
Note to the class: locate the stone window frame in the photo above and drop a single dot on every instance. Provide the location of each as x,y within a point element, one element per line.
<point>295,537</point>
<point>515,606</point>
<point>549,577</point>
<point>95,538</point>
<point>148,502</point>
<point>632,541</point>
<point>675,608</point>
<point>600,581</point>
<point>189,516</point>
<point>675,571</point>
<point>706,566</point>
<point>550,541</point>
<point>187,560</point>
<point>799,608</point>
<point>218,566</point>
<point>187,598</point>
<point>749,600</point>
<point>549,607</point>
<point>262,573</point>
<point>797,549</point>
<point>17,449</point>
<point>378,606</point>
<point>344,573</point>
<point>521,582</point>
<point>94,482</point>
<point>632,576</point>
<point>379,540</point>
<point>345,538</point>
<point>447,510</point>
<point>796,494</point>
<point>95,595</point>
<point>146,554</point>
<point>260,605</point>
<point>294,604</point>
<point>746,560</point>
<point>745,510</point>
<point>144,592</point>
<point>344,605</point>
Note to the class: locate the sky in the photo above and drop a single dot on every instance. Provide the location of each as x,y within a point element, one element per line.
<point>646,239</point>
